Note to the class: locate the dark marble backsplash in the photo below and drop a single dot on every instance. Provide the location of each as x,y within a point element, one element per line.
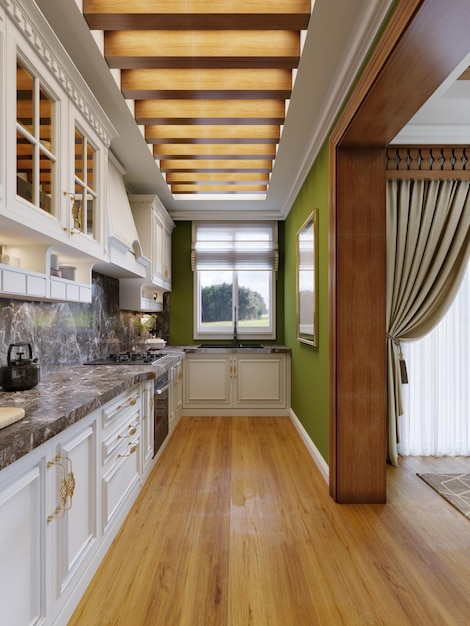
<point>63,334</point>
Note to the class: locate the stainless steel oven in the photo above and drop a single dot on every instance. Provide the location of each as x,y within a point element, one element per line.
<point>161,409</point>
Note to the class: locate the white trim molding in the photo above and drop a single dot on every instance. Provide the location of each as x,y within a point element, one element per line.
<point>311,447</point>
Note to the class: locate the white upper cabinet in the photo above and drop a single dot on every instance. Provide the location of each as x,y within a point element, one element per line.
<point>53,165</point>
<point>154,227</point>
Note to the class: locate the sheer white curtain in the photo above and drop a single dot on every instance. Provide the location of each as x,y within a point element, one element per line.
<point>436,402</point>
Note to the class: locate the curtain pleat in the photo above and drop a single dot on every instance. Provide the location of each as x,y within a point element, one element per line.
<point>428,244</point>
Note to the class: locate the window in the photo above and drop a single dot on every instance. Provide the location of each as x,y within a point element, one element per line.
<point>235,269</point>
<point>35,157</point>
<point>85,198</point>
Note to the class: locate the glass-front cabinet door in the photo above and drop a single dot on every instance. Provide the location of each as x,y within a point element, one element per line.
<point>35,146</point>
<point>84,210</point>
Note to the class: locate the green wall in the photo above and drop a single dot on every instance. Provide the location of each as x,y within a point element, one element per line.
<point>310,364</point>
<point>181,299</point>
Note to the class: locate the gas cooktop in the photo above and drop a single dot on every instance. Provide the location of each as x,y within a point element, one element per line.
<point>150,357</point>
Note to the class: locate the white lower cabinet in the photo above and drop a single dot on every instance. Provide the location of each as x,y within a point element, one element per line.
<point>234,383</point>
<point>48,526</point>
<point>23,564</point>
<point>62,504</point>
<point>73,514</point>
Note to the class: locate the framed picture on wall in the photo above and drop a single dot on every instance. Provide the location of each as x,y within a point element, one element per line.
<point>307,281</point>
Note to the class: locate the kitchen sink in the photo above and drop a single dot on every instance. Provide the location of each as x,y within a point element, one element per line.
<point>230,345</point>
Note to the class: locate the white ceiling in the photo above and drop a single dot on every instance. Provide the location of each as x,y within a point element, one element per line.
<point>445,117</point>
<point>339,36</point>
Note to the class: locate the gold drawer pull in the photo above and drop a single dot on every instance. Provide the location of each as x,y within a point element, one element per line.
<point>131,451</point>
<point>129,403</point>
<point>132,431</point>
<point>66,487</point>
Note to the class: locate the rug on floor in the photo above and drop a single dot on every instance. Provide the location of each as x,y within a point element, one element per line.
<point>455,488</point>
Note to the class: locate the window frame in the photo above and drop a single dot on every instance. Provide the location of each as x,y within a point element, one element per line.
<point>228,332</point>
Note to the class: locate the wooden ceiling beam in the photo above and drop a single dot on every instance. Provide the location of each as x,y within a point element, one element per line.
<point>208,134</point>
<point>224,189</point>
<point>215,165</point>
<point>181,111</point>
<point>196,14</point>
<point>218,151</point>
<point>204,49</point>
<point>142,84</point>
<point>217,177</point>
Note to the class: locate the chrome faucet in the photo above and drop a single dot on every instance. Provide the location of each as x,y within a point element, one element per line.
<point>235,324</point>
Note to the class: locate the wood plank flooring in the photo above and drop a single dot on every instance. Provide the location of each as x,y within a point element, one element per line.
<point>235,528</point>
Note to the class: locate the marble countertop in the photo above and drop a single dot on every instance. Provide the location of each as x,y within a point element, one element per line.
<point>62,398</point>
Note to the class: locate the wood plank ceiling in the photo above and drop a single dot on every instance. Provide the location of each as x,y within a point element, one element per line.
<point>209,80</point>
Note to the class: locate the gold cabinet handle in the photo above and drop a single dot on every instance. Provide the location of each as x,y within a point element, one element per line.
<point>132,449</point>
<point>132,431</point>
<point>130,402</point>
<point>66,486</point>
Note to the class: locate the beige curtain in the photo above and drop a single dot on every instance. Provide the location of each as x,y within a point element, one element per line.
<point>428,245</point>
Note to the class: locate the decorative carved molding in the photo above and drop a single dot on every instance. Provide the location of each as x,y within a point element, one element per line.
<point>428,162</point>
<point>31,34</point>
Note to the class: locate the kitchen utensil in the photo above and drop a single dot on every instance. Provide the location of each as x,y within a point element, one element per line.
<point>69,272</point>
<point>21,371</point>
<point>155,344</point>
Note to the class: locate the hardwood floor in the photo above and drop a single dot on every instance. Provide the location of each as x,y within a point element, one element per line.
<point>235,528</point>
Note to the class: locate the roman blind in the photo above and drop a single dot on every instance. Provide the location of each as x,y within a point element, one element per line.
<point>234,246</point>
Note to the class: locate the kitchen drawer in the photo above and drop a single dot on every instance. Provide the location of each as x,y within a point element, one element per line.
<point>69,290</point>
<point>118,440</point>
<point>36,286</point>
<point>120,479</point>
<point>23,284</point>
<point>121,409</point>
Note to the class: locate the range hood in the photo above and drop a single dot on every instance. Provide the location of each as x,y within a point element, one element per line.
<point>123,248</point>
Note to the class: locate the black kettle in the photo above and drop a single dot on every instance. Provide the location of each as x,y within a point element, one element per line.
<point>22,371</point>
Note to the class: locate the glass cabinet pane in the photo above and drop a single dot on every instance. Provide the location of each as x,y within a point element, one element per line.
<point>90,162</point>
<point>79,166</point>
<point>24,98</point>
<point>45,121</point>
<point>24,168</point>
<point>35,159</point>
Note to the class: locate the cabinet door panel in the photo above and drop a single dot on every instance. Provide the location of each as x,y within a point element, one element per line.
<point>207,381</point>
<point>36,286</point>
<point>76,531</point>
<point>22,541</point>
<point>14,282</point>
<point>119,480</point>
<point>260,381</point>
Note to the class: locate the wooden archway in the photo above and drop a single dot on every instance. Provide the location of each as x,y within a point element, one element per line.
<point>424,41</point>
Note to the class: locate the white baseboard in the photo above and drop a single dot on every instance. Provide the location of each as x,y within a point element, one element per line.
<point>311,447</point>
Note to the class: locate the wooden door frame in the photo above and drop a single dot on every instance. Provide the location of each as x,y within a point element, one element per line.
<point>422,44</point>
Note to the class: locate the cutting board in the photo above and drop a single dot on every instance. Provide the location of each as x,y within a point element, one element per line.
<point>10,415</point>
